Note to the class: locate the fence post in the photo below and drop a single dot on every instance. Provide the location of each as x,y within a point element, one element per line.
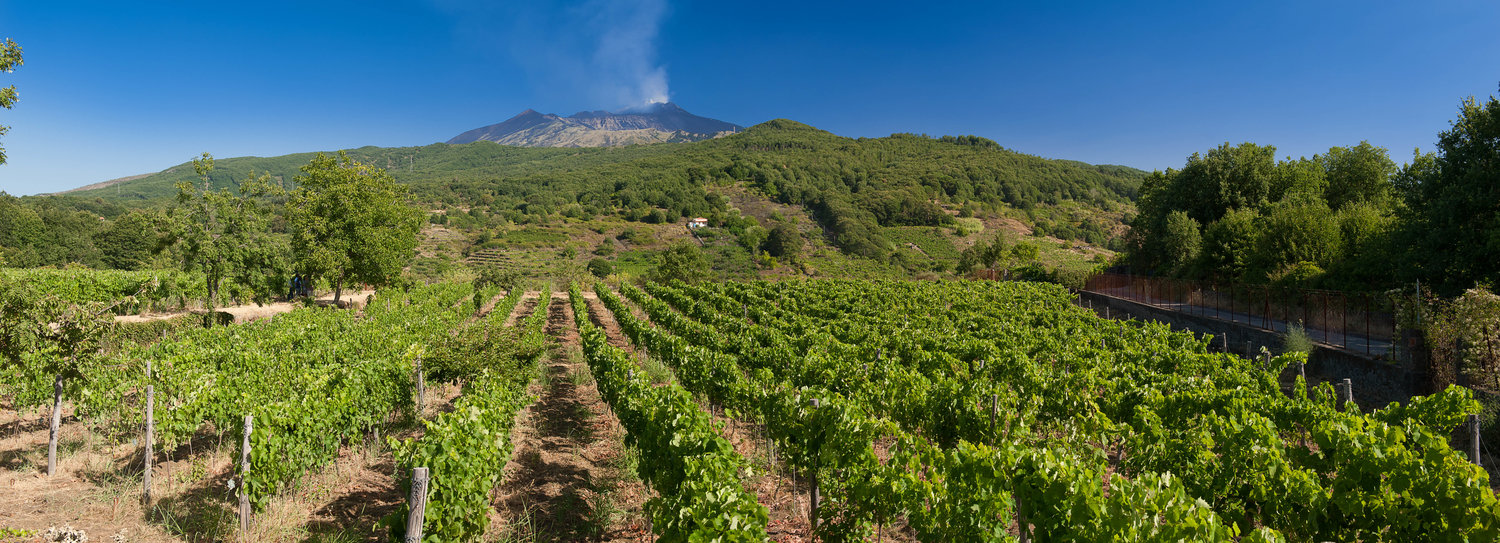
<point>1347,391</point>
<point>421,386</point>
<point>1267,313</point>
<point>994,410</point>
<point>1368,341</point>
<point>244,473</point>
<point>416,505</point>
<point>1022,525</point>
<point>57,390</point>
<point>1344,318</point>
<point>1474,440</point>
<point>812,510</point>
<point>150,438</point>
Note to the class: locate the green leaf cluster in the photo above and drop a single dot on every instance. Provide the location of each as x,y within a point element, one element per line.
<point>694,470</point>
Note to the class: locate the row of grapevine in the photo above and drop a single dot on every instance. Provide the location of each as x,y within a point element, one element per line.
<point>968,493</point>
<point>1157,399</point>
<point>694,470</point>
<point>312,379</point>
<point>466,449</point>
<point>152,289</point>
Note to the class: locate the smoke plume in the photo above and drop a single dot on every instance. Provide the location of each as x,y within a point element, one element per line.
<point>602,51</point>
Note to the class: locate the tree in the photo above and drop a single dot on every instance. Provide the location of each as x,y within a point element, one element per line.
<point>1357,174</point>
<point>683,262</point>
<point>128,242</point>
<point>351,223</point>
<point>601,267</point>
<point>1023,253</point>
<point>784,242</point>
<point>225,235</point>
<point>1456,224</point>
<point>1228,244</point>
<point>55,338</point>
<point>1293,231</point>
<point>1181,240</point>
<point>10,58</point>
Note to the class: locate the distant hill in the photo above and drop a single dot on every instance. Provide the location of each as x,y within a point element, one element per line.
<point>864,194</point>
<point>653,123</point>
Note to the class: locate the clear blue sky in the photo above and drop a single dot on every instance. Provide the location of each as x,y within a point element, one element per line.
<point>119,88</point>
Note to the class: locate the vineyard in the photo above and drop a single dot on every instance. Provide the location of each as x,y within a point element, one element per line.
<point>930,411</point>
<point>152,290</point>
<point>982,411</point>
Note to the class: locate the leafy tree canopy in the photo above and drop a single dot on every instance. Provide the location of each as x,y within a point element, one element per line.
<point>683,262</point>
<point>351,222</point>
<point>226,235</point>
<point>10,58</point>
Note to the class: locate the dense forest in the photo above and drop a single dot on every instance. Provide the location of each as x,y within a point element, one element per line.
<point>1346,219</point>
<point>852,187</point>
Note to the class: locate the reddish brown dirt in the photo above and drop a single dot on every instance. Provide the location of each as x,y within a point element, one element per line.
<point>525,306</point>
<point>566,480</point>
<point>29,500</point>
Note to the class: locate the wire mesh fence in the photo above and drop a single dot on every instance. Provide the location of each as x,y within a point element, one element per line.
<point>1354,321</point>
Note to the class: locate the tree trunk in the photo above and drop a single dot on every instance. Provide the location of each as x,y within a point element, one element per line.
<point>57,390</point>
<point>338,289</point>
<point>213,297</point>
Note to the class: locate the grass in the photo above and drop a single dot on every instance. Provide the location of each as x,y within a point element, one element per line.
<point>935,241</point>
<point>1297,340</point>
<point>658,372</point>
<point>580,376</point>
<point>521,529</point>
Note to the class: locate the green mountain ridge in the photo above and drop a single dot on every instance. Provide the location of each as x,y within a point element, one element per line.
<point>423,165</point>
<point>908,201</point>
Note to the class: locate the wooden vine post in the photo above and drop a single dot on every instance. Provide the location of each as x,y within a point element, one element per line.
<point>1346,392</point>
<point>417,505</point>
<point>244,474</point>
<point>812,510</point>
<point>994,411</point>
<point>57,392</point>
<point>150,439</point>
<point>1022,525</point>
<point>1474,440</point>
<point>421,386</point>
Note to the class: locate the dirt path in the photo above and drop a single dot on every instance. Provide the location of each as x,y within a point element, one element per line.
<point>250,312</point>
<point>570,477</point>
<point>524,306</point>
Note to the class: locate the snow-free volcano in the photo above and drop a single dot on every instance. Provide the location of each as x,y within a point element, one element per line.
<point>651,123</point>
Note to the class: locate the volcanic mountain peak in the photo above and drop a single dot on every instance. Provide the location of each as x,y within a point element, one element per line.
<point>650,123</point>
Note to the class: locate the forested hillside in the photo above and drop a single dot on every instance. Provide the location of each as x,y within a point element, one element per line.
<point>859,191</point>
